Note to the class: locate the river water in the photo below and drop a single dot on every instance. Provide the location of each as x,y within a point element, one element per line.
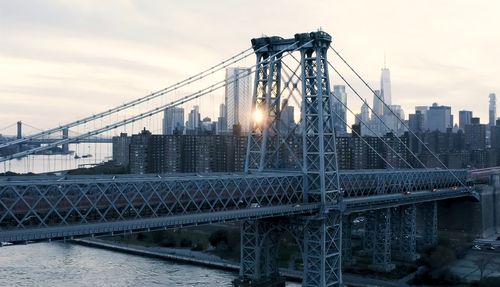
<point>64,264</point>
<point>87,155</point>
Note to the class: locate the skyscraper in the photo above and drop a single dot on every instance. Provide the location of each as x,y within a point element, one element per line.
<point>238,98</point>
<point>121,150</point>
<point>138,152</point>
<point>464,118</point>
<point>423,110</point>
<point>173,120</point>
<point>378,106</point>
<point>416,122</point>
<point>339,107</point>
<point>385,86</point>
<point>439,118</point>
<point>492,109</point>
<point>475,134</point>
<point>193,122</point>
<point>221,120</point>
<point>365,113</point>
<point>393,118</point>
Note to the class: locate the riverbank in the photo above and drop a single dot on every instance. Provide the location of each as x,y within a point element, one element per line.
<point>207,260</point>
<point>176,254</point>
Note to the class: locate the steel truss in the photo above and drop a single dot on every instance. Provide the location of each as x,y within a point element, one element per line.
<point>259,246</point>
<point>321,234</point>
<point>360,183</point>
<point>318,134</point>
<point>38,204</point>
<point>381,259</point>
<point>322,251</point>
<point>369,236</point>
<point>43,201</point>
<point>346,239</point>
<point>315,236</point>
<point>408,228</point>
<point>263,139</point>
<point>395,227</point>
<point>430,233</point>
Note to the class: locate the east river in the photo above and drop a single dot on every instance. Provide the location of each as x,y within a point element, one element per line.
<point>64,264</point>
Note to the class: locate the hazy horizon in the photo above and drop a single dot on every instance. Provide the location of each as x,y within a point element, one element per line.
<point>73,59</point>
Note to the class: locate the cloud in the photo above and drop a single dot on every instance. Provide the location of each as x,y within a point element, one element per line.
<point>85,56</point>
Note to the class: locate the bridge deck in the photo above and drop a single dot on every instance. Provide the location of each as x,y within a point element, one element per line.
<point>55,207</point>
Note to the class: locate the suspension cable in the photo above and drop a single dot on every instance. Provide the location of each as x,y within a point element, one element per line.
<point>293,130</point>
<point>347,108</point>
<point>9,126</point>
<point>395,135</point>
<point>234,59</point>
<point>343,121</point>
<point>404,124</point>
<point>154,111</point>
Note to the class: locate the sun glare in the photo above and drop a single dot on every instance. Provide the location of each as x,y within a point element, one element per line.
<point>258,116</point>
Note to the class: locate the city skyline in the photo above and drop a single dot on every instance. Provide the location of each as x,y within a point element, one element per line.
<point>55,62</point>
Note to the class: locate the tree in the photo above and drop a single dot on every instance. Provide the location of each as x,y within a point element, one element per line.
<point>217,237</point>
<point>441,256</point>
<point>482,262</point>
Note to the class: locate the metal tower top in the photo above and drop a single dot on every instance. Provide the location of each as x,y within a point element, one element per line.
<point>276,43</point>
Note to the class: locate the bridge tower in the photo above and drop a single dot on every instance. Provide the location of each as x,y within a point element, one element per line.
<point>19,135</point>
<point>320,235</point>
<point>65,147</point>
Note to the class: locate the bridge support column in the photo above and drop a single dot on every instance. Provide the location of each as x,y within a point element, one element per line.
<point>65,147</point>
<point>369,236</point>
<point>407,243</point>
<point>346,240</point>
<point>395,227</point>
<point>258,257</point>
<point>430,224</point>
<point>322,248</point>
<point>19,147</point>
<point>381,259</point>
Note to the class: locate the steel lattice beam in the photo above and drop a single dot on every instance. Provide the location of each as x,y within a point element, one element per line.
<point>381,260</point>
<point>322,251</point>
<point>346,239</point>
<point>369,236</point>
<point>407,243</point>
<point>41,204</point>
<point>430,223</point>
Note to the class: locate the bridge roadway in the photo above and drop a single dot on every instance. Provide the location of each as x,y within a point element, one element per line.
<point>48,207</point>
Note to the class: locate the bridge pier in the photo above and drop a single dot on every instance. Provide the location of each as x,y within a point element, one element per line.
<point>346,240</point>
<point>322,251</point>
<point>258,257</point>
<point>381,259</point>
<point>319,239</point>
<point>430,218</point>
<point>408,231</point>
<point>395,227</point>
<point>65,147</point>
<point>19,147</point>
<point>369,236</point>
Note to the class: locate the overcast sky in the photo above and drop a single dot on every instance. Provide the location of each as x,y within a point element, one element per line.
<point>60,60</point>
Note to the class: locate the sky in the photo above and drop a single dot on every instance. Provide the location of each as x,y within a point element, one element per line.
<point>62,60</point>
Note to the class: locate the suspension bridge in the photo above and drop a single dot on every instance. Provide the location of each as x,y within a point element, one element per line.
<point>311,199</point>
